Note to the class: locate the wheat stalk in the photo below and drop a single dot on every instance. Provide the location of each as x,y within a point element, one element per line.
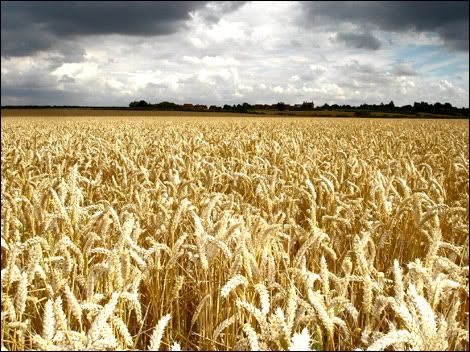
<point>157,334</point>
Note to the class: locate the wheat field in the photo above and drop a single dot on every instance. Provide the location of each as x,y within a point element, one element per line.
<point>238,233</point>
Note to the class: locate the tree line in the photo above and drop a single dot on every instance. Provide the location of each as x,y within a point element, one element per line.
<point>361,110</point>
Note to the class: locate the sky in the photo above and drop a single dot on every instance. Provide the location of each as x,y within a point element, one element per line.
<point>112,53</point>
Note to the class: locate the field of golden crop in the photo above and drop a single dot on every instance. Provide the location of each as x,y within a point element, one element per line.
<point>234,233</point>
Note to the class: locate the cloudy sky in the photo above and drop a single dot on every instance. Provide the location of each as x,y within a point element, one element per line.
<point>104,53</point>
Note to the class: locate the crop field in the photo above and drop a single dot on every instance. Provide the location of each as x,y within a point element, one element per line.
<point>234,233</point>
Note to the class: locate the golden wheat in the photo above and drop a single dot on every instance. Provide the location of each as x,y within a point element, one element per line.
<point>250,233</point>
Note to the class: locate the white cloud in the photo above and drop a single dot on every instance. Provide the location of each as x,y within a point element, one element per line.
<point>258,53</point>
<point>244,87</point>
<point>191,59</point>
<point>406,85</point>
<point>295,78</point>
<point>198,43</point>
<point>444,86</point>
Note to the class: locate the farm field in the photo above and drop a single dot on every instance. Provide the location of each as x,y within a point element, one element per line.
<point>234,233</point>
<point>123,112</point>
<point>74,113</point>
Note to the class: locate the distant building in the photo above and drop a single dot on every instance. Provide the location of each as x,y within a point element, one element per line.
<point>307,105</point>
<point>188,106</point>
<point>199,107</point>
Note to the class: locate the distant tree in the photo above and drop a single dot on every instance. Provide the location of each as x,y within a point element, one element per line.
<point>165,105</point>
<point>239,108</point>
<point>214,108</point>
<point>138,104</point>
<point>406,108</point>
<point>281,106</point>
<point>448,108</point>
<point>438,108</point>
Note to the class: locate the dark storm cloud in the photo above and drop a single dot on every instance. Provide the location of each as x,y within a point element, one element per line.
<point>447,18</point>
<point>359,40</point>
<point>213,12</point>
<point>28,27</point>
<point>100,17</point>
